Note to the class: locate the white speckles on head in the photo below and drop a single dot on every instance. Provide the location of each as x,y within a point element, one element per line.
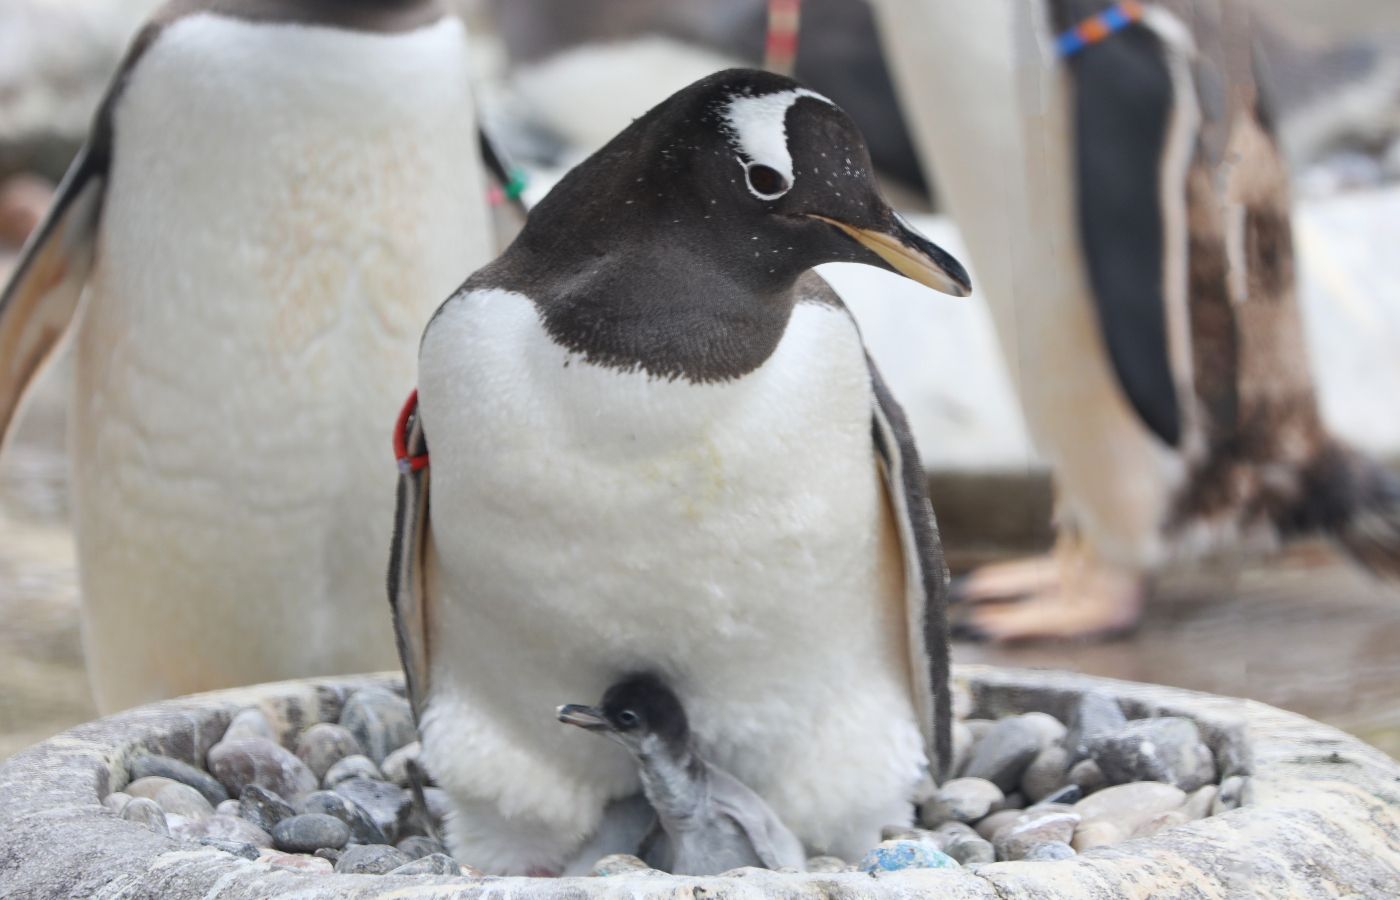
<point>757,128</point>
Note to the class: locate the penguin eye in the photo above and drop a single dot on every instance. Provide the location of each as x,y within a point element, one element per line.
<point>628,719</point>
<point>765,181</point>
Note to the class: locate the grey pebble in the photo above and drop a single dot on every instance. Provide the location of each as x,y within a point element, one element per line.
<point>237,848</point>
<point>435,864</point>
<point>618,864</point>
<point>325,744</point>
<point>1014,841</point>
<point>827,865</point>
<point>263,807</point>
<point>260,761</point>
<point>370,859</point>
<point>116,801</point>
<point>964,799</point>
<point>970,851</point>
<point>1166,749</point>
<point>182,800</point>
<point>1046,774</point>
<point>249,723</point>
<point>418,846</point>
<point>396,765</point>
<point>1002,756</point>
<point>1233,794</point>
<point>1094,716</point>
<point>174,769</point>
<point>329,854</point>
<point>149,786</point>
<point>363,830</point>
<point>227,808</point>
<point>383,802</point>
<point>380,720</point>
<point>1087,775</point>
<point>979,727</point>
<point>1199,804</point>
<point>1068,795</point>
<point>146,812</point>
<point>225,828</point>
<point>988,827</point>
<point>1052,730</point>
<point>308,832</point>
<point>357,766</point>
<point>1049,852</point>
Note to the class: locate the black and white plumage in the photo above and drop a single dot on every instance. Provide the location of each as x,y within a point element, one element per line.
<point>707,821</point>
<point>1128,208</point>
<point>657,444</point>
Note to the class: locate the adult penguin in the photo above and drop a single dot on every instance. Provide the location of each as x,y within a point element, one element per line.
<point>272,194</point>
<point>656,443</point>
<point>1114,170</point>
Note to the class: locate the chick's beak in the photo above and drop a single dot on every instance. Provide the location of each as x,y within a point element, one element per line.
<point>910,254</point>
<point>585,717</point>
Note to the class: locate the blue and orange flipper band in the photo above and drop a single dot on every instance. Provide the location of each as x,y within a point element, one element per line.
<point>1097,27</point>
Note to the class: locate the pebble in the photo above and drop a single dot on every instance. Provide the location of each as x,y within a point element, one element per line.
<point>1068,795</point>
<point>1129,805</point>
<point>352,767</point>
<point>1166,749</point>
<point>894,856</point>
<point>247,724</point>
<point>1198,805</point>
<point>263,808</point>
<point>166,767</point>
<point>380,720</point>
<point>970,851</point>
<point>988,827</point>
<point>116,801</point>
<point>829,865</point>
<point>228,808</point>
<point>308,832</point>
<point>325,744</point>
<point>1049,852</point>
<point>1052,730</point>
<point>961,800</point>
<point>370,859</point>
<point>329,854</point>
<point>1169,819</point>
<point>383,802</point>
<point>1231,795</point>
<point>1016,840</point>
<point>979,727</point>
<point>418,846</point>
<point>1002,756</point>
<point>148,813</point>
<point>301,862</point>
<point>396,764</point>
<point>225,828</point>
<point>182,800</point>
<point>433,864</point>
<point>618,864</point>
<point>1096,834</point>
<point>1088,776</point>
<point>329,803</point>
<point>1046,773</point>
<point>237,848</point>
<point>1094,716</point>
<point>149,786</point>
<point>260,761</point>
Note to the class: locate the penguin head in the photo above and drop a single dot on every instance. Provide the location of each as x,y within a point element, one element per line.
<point>757,173</point>
<point>639,712</point>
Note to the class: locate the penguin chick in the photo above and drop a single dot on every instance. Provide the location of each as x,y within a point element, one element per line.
<point>711,821</point>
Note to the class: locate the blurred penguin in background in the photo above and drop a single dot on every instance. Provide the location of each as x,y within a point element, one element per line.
<point>274,197</point>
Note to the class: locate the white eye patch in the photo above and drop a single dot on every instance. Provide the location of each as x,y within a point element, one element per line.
<point>758,130</point>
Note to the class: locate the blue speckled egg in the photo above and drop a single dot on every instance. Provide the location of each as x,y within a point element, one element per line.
<point>892,856</point>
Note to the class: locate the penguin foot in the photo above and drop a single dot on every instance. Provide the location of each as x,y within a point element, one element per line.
<point>1056,597</point>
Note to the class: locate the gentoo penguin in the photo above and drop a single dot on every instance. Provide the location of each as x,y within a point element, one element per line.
<point>708,821</point>
<point>1115,172</point>
<point>656,444</point>
<point>272,192</point>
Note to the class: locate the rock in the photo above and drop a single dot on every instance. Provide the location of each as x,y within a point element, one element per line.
<point>1002,756</point>
<point>961,800</point>
<point>263,808</point>
<point>1013,800</point>
<point>166,767</point>
<point>329,854</point>
<point>325,744</point>
<point>433,864</point>
<point>962,748</point>
<point>1052,730</point>
<point>370,859</point>
<point>227,808</point>
<point>1068,795</point>
<point>225,828</point>
<point>1095,715</point>
<point>300,862</point>
<point>146,812</point>
<point>1169,819</point>
<point>149,786</point>
<point>383,802</point>
<point>1046,774</point>
<point>363,830</point>
<point>182,800</point>
<point>979,728</point>
<point>1166,749</point>
<point>988,827</point>
<point>236,848</point>
<point>1087,775</point>
<point>1099,833</point>
<point>395,766</point>
<point>380,720</point>
<point>894,856</point>
<point>905,833</point>
<point>1049,852</point>
<point>971,851</point>
<point>1016,840</point>
<point>1232,795</point>
<point>116,801</point>
<point>951,831</point>
<point>352,767</point>
<point>418,846</point>
<point>260,761</point>
<point>308,832</point>
<point>1129,805</point>
<point>1198,805</point>
<point>829,865</point>
<point>618,864</point>
<point>248,724</point>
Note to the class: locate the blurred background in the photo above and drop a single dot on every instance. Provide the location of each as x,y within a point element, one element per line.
<point>557,79</point>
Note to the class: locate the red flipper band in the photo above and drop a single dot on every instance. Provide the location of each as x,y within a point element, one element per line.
<point>407,463</point>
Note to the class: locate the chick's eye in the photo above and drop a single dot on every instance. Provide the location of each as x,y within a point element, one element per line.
<point>628,719</point>
<point>766,181</point>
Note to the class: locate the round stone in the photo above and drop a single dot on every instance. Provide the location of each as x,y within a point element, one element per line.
<point>961,800</point>
<point>1049,852</point>
<point>1046,774</point>
<point>325,744</point>
<point>352,767</point>
<point>1232,795</point>
<point>149,786</point>
<point>309,832</point>
<point>228,808</point>
<point>370,859</point>
<point>1166,749</point>
<point>363,830</point>
<point>236,848</point>
<point>1129,805</point>
<point>895,856</point>
<point>396,764</point>
<point>1002,756</point>
<point>1198,805</point>
<point>618,864</point>
<point>263,808</point>
<point>329,854</point>
<point>1068,795</point>
<point>988,827</point>
<point>225,828</point>
<point>1016,840</point>
<point>383,802</point>
<point>116,801</point>
<point>419,846</point>
<point>829,865</point>
<point>149,764</point>
<point>432,864</point>
<point>380,720</point>
<point>1087,775</point>
<point>249,723</point>
<point>1096,834</point>
<point>1094,716</point>
<point>970,851</point>
<point>259,761</point>
<point>147,813</point>
<point>182,800</point>
<point>312,865</point>
<point>1052,730</point>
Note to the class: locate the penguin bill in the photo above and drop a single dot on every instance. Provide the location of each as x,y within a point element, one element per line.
<point>911,255</point>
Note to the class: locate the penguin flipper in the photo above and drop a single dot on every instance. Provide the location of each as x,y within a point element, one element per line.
<point>408,575</point>
<point>925,572</point>
<point>39,305</point>
<point>773,842</point>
